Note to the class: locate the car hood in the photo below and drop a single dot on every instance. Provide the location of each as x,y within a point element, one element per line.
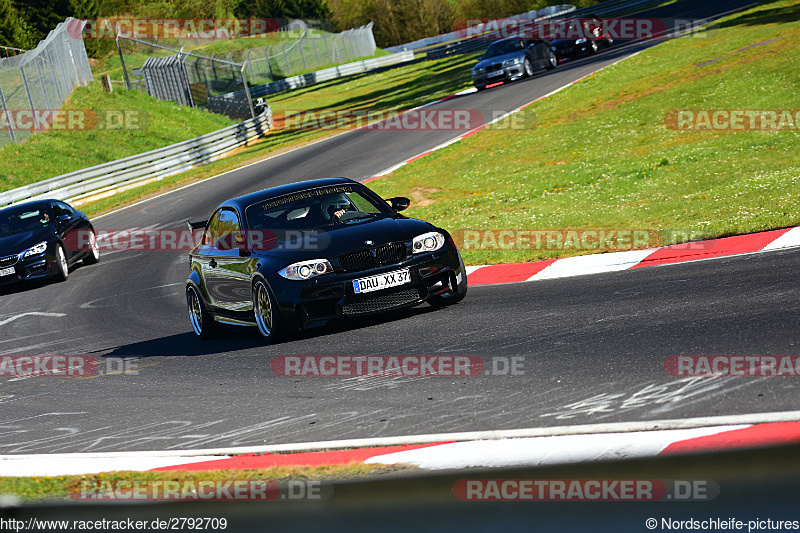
<point>19,242</point>
<point>499,59</point>
<point>560,43</point>
<point>341,239</point>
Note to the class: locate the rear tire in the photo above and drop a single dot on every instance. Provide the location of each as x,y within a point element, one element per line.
<point>552,61</point>
<point>203,325</point>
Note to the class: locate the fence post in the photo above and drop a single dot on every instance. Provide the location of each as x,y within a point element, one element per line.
<point>269,63</point>
<point>30,99</point>
<point>250,64</point>
<point>122,60</point>
<point>8,116</point>
<point>302,55</point>
<point>247,92</point>
<point>316,54</point>
<point>286,59</point>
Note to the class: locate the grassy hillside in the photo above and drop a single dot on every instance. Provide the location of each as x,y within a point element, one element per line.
<point>600,154</point>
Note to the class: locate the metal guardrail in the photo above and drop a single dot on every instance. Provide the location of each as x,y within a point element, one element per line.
<point>235,103</point>
<point>152,165</point>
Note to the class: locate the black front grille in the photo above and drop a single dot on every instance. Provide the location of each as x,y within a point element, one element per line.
<point>390,253</point>
<point>496,66</point>
<point>381,303</point>
<point>8,261</point>
<point>385,254</point>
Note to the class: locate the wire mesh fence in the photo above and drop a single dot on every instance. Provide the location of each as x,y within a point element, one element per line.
<point>35,83</point>
<point>295,48</point>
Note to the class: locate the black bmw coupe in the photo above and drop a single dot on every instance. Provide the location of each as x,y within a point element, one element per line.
<point>35,241</point>
<point>296,256</point>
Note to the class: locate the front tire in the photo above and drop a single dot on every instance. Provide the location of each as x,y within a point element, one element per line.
<point>94,251</point>
<point>62,269</point>
<point>202,323</point>
<point>527,68</point>
<point>266,312</point>
<point>460,289</point>
<point>593,47</point>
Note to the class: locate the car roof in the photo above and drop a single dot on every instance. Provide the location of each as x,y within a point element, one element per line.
<point>36,204</point>
<point>241,202</point>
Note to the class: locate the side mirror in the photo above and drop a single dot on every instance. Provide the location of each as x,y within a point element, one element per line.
<point>399,203</point>
<point>64,218</point>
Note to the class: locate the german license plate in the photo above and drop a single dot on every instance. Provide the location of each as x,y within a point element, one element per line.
<point>6,271</point>
<point>495,74</point>
<point>381,281</point>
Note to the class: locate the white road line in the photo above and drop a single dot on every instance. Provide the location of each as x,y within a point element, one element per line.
<point>32,313</point>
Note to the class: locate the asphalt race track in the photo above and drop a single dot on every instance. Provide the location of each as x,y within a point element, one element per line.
<point>594,347</point>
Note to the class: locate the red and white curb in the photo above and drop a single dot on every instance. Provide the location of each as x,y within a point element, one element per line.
<point>615,261</point>
<point>502,448</point>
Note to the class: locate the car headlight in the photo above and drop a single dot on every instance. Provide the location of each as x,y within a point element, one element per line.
<point>36,250</point>
<point>580,41</point>
<point>479,70</point>
<point>427,242</point>
<point>306,269</point>
<point>511,62</point>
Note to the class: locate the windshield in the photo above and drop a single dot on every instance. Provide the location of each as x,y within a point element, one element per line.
<point>19,220</point>
<point>316,209</point>
<point>503,47</point>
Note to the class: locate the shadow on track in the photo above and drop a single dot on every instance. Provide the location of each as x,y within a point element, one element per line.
<point>234,339</point>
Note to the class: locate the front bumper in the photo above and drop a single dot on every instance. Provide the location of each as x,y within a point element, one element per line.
<point>27,269</point>
<point>511,73</point>
<point>315,302</point>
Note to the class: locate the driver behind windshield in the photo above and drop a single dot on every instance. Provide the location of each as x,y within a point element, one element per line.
<point>335,205</point>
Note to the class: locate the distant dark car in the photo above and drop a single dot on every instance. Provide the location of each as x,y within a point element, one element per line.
<point>591,37</point>
<point>512,59</point>
<point>33,241</point>
<point>299,255</point>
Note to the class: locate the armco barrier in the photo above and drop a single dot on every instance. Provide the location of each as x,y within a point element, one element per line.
<point>152,165</point>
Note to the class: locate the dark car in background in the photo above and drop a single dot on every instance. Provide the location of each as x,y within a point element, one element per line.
<point>34,241</point>
<point>511,59</point>
<point>589,38</point>
<point>297,256</point>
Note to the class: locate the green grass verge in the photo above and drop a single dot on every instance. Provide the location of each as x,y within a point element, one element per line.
<point>55,152</point>
<point>599,155</point>
<point>39,489</point>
